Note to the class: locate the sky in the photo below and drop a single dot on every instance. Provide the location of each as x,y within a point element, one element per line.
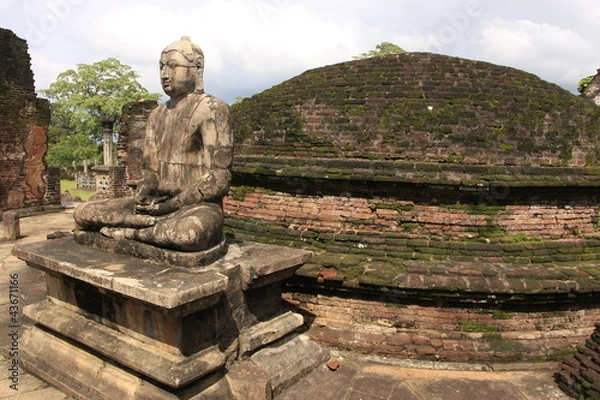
<point>252,45</point>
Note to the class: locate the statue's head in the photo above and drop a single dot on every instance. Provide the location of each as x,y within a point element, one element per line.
<point>181,68</point>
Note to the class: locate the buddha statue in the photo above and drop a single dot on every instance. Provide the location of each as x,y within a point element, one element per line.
<point>187,156</point>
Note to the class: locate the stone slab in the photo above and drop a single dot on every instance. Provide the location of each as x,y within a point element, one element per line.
<point>160,284</point>
<point>249,382</point>
<point>153,361</point>
<point>86,375</point>
<point>266,332</point>
<point>154,283</point>
<point>287,363</point>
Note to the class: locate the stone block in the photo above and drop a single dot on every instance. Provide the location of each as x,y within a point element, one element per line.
<point>150,359</point>
<point>267,332</point>
<point>249,382</point>
<point>149,252</point>
<point>149,330</point>
<point>288,362</point>
<point>82,374</point>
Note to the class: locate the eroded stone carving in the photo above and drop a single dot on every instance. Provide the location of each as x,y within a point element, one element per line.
<point>187,157</point>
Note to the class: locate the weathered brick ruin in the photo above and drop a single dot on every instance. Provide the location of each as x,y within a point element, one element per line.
<point>24,122</point>
<point>451,204</point>
<point>579,375</point>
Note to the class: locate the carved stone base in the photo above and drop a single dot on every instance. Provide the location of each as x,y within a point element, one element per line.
<point>82,373</point>
<point>192,259</point>
<point>163,330</point>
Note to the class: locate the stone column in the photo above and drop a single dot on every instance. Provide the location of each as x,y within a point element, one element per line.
<point>11,225</point>
<point>107,131</point>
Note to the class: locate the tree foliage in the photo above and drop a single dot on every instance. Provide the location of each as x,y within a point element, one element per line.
<point>382,49</point>
<point>79,98</point>
<point>583,83</point>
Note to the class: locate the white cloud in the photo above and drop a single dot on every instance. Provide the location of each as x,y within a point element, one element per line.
<point>549,51</point>
<point>251,45</point>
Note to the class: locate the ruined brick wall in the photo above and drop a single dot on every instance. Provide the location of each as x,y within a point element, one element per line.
<point>579,374</point>
<point>53,192</point>
<point>309,215</point>
<point>451,205</point>
<point>420,107</point>
<point>24,123</point>
<point>455,334</point>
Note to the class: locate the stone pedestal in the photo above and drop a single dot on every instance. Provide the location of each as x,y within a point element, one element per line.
<point>116,326</point>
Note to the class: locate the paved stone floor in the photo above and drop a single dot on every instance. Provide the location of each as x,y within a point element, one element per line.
<point>359,377</point>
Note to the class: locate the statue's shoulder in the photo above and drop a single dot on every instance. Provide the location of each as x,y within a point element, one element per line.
<point>210,101</point>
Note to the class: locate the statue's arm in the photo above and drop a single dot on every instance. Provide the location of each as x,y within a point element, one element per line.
<point>217,137</point>
<point>217,155</point>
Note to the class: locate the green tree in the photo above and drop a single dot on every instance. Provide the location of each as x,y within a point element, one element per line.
<point>79,98</point>
<point>382,49</point>
<point>583,83</point>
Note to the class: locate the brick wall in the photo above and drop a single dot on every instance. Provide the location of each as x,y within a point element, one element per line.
<point>341,214</point>
<point>23,128</point>
<point>420,107</point>
<point>580,372</point>
<point>442,333</point>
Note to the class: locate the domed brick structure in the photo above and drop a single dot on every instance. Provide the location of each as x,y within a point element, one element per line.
<point>421,108</point>
<point>451,205</point>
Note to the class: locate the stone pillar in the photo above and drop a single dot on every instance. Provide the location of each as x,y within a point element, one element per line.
<point>107,132</point>
<point>53,186</point>
<point>12,229</point>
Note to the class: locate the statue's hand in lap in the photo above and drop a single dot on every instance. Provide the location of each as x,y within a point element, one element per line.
<point>155,205</point>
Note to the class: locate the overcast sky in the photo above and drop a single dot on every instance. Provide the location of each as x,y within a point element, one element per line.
<point>251,45</point>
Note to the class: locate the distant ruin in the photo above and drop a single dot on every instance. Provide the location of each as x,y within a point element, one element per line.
<point>24,120</point>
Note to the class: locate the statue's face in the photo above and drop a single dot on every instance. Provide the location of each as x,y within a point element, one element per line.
<point>177,75</point>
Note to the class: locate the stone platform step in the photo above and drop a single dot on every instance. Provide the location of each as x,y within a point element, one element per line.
<point>449,279</point>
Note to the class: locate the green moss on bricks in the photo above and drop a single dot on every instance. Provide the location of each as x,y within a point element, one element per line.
<point>500,345</point>
<point>499,314</point>
<point>239,193</point>
<point>400,206</point>
<point>475,327</point>
<point>511,114</point>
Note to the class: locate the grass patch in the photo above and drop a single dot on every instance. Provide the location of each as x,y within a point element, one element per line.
<point>71,186</point>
